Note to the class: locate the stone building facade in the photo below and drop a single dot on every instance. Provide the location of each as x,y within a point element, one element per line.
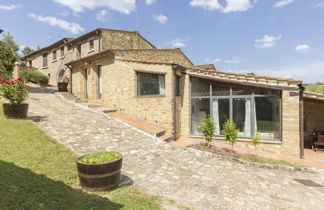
<point>164,88</point>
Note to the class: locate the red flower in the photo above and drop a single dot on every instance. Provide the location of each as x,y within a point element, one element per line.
<point>20,79</point>
<point>13,83</point>
<point>6,82</point>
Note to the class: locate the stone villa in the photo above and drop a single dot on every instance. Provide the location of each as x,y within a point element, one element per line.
<point>164,88</point>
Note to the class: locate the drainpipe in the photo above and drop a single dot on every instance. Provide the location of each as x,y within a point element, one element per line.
<point>301,120</point>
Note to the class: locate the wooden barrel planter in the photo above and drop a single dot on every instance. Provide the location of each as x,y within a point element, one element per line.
<point>15,111</point>
<point>62,86</point>
<point>98,177</point>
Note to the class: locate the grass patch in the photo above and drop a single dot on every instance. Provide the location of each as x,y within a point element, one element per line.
<point>36,172</point>
<point>248,157</point>
<point>100,157</point>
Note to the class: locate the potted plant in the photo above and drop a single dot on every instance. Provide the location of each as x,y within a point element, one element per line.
<point>100,170</point>
<point>62,86</point>
<point>15,92</point>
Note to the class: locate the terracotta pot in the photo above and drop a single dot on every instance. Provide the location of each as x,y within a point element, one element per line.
<point>15,111</point>
<point>62,86</point>
<point>98,177</point>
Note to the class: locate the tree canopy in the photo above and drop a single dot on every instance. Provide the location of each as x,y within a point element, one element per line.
<point>27,50</point>
<point>7,59</point>
<point>9,39</point>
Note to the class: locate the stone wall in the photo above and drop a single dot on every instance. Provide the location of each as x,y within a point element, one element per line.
<point>119,85</point>
<point>155,55</point>
<point>114,39</point>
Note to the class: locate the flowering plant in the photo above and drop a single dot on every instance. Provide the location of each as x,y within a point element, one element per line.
<point>14,91</point>
<point>66,79</point>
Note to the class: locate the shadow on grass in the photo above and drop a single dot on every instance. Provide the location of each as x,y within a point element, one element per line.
<point>23,189</point>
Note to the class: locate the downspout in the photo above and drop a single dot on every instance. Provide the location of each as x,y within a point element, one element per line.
<point>301,120</point>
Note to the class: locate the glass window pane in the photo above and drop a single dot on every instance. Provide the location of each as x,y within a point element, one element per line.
<point>151,84</point>
<point>199,108</point>
<point>220,90</point>
<point>263,91</point>
<point>199,87</point>
<point>242,90</point>
<point>268,117</point>
<point>221,113</point>
<point>242,116</point>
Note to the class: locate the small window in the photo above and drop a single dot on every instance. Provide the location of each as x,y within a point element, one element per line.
<point>91,45</point>
<point>177,85</point>
<point>45,60</point>
<point>54,55</point>
<point>62,51</point>
<point>150,84</point>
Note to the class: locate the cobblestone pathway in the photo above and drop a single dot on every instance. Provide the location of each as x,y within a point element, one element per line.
<point>190,178</point>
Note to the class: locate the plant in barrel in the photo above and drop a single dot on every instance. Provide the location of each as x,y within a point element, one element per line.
<point>100,170</point>
<point>15,92</point>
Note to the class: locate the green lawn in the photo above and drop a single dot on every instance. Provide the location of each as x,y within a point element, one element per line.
<point>36,172</point>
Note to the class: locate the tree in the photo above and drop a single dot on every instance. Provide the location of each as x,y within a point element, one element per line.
<point>9,39</point>
<point>27,50</point>
<point>251,73</point>
<point>207,127</point>
<point>7,60</point>
<point>230,132</point>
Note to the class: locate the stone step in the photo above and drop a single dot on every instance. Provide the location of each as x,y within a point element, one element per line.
<point>167,138</point>
<point>144,126</point>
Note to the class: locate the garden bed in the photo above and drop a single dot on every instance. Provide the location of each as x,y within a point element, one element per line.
<point>226,153</point>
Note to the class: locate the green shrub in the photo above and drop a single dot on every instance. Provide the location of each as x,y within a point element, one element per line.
<point>230,132</point>
<point>34,77</point>
<point>255,140</point>
<point>100,157</point>
<point>207,127</point>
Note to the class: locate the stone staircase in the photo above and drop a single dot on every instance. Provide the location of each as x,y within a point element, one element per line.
<point>144,126</point>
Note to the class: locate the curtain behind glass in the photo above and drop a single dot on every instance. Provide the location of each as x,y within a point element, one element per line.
<point>216,117</point>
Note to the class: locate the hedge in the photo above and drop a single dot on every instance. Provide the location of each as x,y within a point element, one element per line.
<point>34,77</point>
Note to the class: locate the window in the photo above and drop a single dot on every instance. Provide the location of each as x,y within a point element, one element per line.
<point>45,60</point>
<point>252,109</point>
<point>150,84</point>
<point>91,45</point>
<point>54,55</point>
<point>62,52</point>
<point>177,85</point>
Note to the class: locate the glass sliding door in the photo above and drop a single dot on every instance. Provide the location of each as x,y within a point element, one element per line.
<point>251,109</point>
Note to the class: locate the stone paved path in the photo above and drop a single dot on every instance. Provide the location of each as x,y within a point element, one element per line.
<point>190,178</point>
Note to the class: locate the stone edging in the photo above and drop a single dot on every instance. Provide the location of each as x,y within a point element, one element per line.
<point>268,166</point>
